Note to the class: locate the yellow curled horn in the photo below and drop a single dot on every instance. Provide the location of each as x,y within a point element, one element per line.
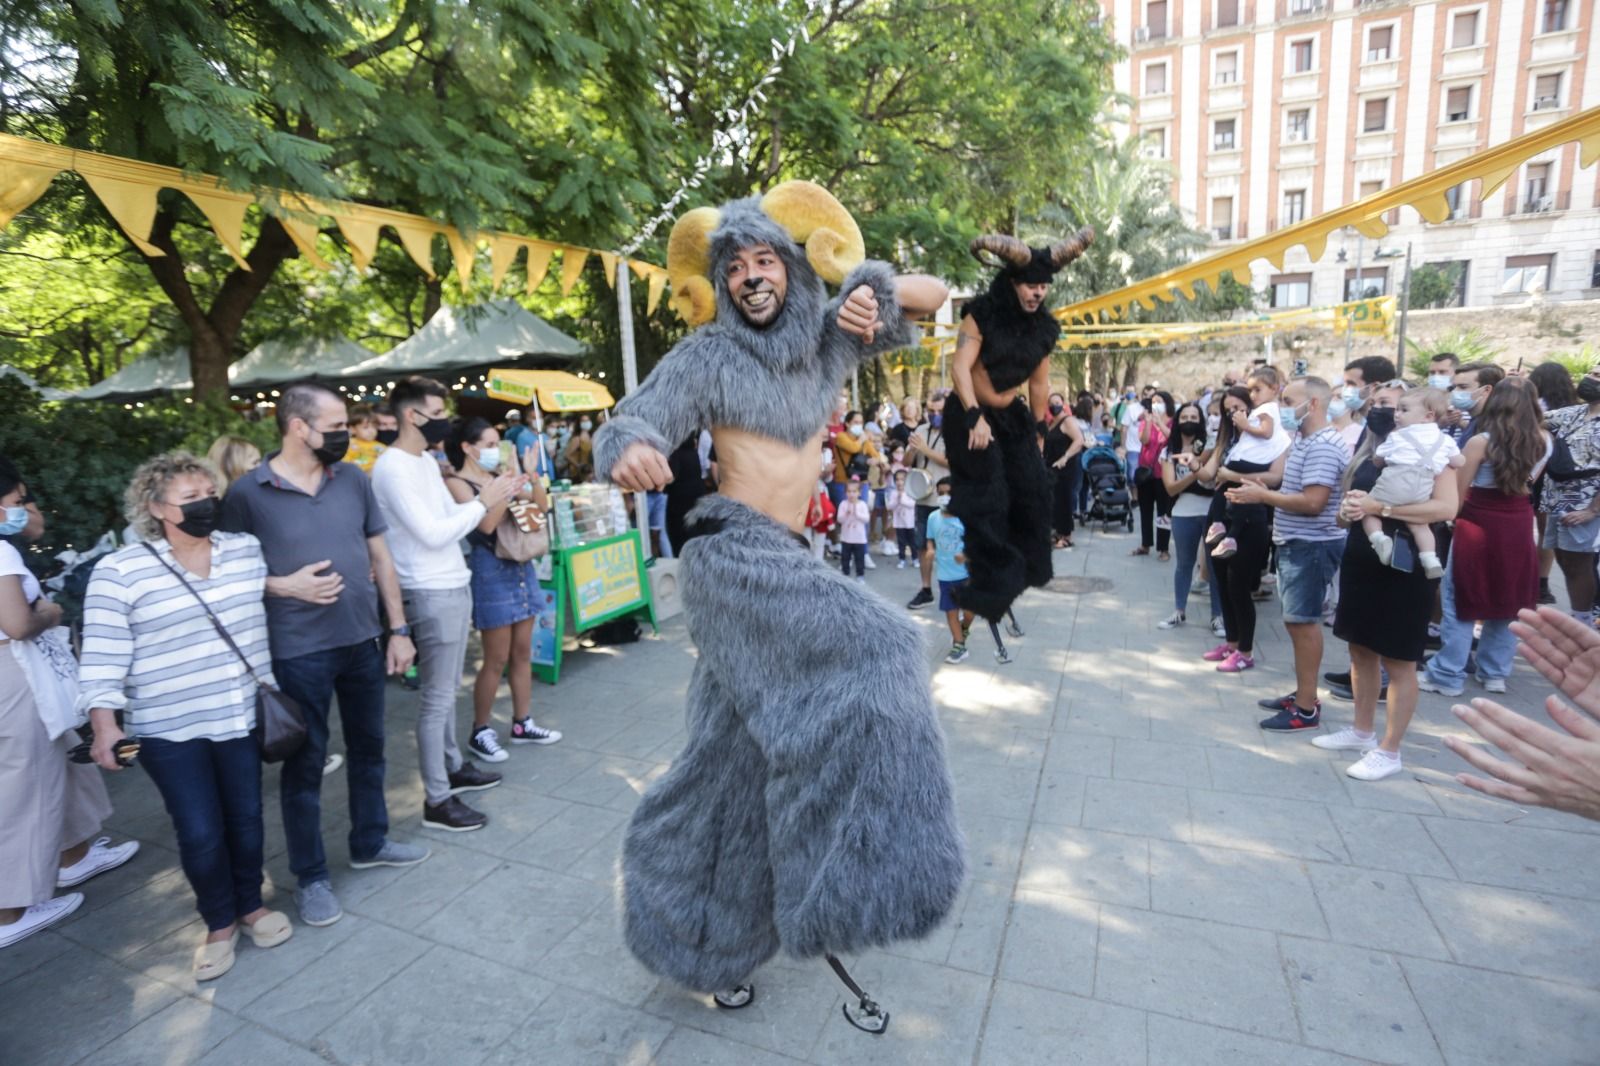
<point>819,222</point>
<point>689,266</point>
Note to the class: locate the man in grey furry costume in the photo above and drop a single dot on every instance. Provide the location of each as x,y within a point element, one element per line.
<point>811,807</point>
<point>993,431</point>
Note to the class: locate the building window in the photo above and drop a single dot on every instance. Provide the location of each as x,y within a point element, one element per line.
<point>1554,17</point>
<point>1547,91</point>
<point>1304,7</point>
<point>1155,79</point>
<point>1222,217</point>
<point>1299,125</point>
<point>1155,19</point>
<point>1458,103</point>
<point>1365,283</point>
<point>1155,143</point>
<point>1464,29</point>
<point>1456,198</point>
<point>1222,134</point>
<point>1291,290</point>
<point>1300,55</point>
<point>1380,43</point>
<point>1375,115</point>
<point>1369,188</point>
<point>1594,272</point>
<point>1227,12</point>
<point>1227,71</point>
<point>1536,189</point>
<point>1294,206</point>
<point>1527,273</point>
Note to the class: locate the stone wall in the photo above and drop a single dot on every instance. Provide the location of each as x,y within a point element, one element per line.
<point>1528,330</point>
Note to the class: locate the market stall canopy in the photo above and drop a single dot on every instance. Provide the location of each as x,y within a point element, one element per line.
<point>454,338</point>
<point>149,376</point>
<point>556,390</point>
<point>28,381</point>
<point>277,361</point>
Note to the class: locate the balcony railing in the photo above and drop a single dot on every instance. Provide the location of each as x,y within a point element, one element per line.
<point>1545,103</point>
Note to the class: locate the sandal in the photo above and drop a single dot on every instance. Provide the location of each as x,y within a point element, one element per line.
<point>1140,551</point>
<point>1164,557</point>
<point>269,930</point>
<point>216,958</point>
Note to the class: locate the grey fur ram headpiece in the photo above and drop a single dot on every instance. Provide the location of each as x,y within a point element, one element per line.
<point>809,229</point>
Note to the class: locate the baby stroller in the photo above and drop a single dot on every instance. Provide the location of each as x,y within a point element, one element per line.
<point>1109,503</point>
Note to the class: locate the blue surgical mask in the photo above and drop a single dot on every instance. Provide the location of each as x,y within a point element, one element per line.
<point>489,459</point>
<point>1352,396</point>
<point>1337,408</point>
<point>936,419</point>
<point>1461,399</point>
<point>15,521</point>
<point>1289,419</point>
<point>1440,381</point>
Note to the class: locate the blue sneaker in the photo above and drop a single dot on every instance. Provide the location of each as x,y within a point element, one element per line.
<point>1292,718</point>
<point>318,905</point>
<point>393,853</point>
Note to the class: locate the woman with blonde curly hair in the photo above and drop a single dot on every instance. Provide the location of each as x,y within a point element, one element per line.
<point>154,650</point>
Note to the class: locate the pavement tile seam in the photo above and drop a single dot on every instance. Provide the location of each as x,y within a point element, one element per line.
<point>1416,889</point>
<point>1433,1033</point>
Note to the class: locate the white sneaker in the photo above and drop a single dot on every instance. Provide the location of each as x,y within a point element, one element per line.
<point>1382,547</point>
<point>1344,740</point>
<point>888,548</point>
<point>332,763</point>
<point>1428,684</point>
<point>1173,622</point>
<point>40,916</point>
<point>485,744</point>
<point>1493,684</point>
<point>1219,627</point>
<point>1375,765</point>
<point>100,858</point>
<point>870,564</point>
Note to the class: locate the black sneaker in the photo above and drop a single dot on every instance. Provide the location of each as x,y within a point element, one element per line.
<point>526,731</point>
<point>1292,718</point>
<point>921,599</point>
<point>472,779</point>
<point>453,816</point>
<point>1342,680</point>
<point>1346,693</point>
<point>1545,595</point>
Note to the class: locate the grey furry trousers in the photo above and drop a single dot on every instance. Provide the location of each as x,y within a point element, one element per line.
<point>811,808</point>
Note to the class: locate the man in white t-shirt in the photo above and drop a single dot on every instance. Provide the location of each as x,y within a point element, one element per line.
<point>425,527</point>
<point>1132,414</point>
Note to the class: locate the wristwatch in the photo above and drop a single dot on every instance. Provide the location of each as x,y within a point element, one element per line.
<point>400,631</point>
<point>1388,511</point>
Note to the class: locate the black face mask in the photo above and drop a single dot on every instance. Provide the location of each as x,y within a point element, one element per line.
<point>1057,408</point>
<point>200,516</point>
<point>1589,390</point>
<point>1380,420</point>
<point>435,430</point>
<point>335,442</point>
<point>387,437</point>
<point>1192,429</point>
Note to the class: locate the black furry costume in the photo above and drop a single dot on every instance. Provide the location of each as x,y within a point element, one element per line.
<point>1002,493</point>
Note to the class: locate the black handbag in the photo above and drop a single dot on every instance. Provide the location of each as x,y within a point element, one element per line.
<point>1562,466</point>
<point>280,721</point>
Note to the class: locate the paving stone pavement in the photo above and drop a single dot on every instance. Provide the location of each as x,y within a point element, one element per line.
<point>1153,881</point>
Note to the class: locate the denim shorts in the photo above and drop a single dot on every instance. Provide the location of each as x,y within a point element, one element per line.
<point>503,592</point>
<point>1305,569</point>
<point>1579,538</point>
<point>947,594</point>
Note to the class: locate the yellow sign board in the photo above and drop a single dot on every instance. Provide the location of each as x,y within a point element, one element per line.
<point>605,580</point>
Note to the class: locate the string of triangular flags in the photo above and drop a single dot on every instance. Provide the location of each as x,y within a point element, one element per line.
<point>128,188</point>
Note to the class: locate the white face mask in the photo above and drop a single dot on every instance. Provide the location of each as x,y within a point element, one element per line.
<point>856,431</point>
<point>1158,408</point>
<point>1441,381</point>
<point>944,501</point>
<point>489,458</point>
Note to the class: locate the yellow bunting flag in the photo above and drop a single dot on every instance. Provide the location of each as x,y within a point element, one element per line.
<point>362,236</point>
<point>539,255</point>
<point>658,285</point>
<point>303,233</point>
<point>502,253</point>
<point>463,250</point>
<point>20,185</point>
<point>609,261</point>
<point>132,204</point>
<point>572,260</point>
<point>417,239</point>
<point>225,211</point>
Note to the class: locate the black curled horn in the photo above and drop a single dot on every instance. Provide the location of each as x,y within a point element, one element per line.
<point>1064,252</point>
<point>1005,249</point>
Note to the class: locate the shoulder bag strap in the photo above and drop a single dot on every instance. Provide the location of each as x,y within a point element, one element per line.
<point>204,606</point>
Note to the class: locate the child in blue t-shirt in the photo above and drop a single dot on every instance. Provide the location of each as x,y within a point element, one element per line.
<point>948,537</point>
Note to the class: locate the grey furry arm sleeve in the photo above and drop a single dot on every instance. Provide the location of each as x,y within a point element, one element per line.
<point>895,330</point>
<point>661,412</point>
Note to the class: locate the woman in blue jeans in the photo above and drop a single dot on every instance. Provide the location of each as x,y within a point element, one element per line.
<point>153,651</point>
<point>1185,454</point>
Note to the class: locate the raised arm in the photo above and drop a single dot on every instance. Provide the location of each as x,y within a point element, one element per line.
<point>631,448</point>
<point>868,317</point>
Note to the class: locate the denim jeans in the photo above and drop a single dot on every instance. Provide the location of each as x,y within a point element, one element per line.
<point>212,790</point>
<point>440,620</point>
<point>1186,534</point>
<point>1497,645</point>
<point>355,673</point>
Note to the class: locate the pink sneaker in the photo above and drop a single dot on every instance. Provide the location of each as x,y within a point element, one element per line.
<point>1237,663</point>
<point>1217,654</point>
<point>1225,549</point>
<point>1216,532</point>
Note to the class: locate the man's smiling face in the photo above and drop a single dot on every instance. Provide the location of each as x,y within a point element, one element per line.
<point>757,283</point>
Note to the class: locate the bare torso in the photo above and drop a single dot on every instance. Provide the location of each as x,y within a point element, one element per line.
<point>768,475</point>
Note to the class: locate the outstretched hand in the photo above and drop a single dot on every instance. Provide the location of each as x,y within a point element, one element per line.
<point>642,468</point>
<point>1565,651</point>
<point>1548,769</point>
<point>858,315</point>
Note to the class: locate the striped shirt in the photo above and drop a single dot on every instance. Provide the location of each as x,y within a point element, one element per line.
<point>1319,459</point>
<point>150,650</point>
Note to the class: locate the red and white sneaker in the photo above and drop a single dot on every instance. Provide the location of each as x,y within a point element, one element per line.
<point>1237,663</point>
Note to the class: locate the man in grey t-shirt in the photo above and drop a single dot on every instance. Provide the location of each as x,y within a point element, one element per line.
<point>321,532</point>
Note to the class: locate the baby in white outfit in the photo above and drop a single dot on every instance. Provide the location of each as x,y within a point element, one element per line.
<point>1411,457</point>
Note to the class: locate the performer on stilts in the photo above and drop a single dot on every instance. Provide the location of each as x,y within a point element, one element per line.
<point>993,433</point>
<point>811,806</point>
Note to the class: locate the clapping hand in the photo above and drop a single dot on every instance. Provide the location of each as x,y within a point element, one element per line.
<point>1565,651</point>
<point>858,315</point>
